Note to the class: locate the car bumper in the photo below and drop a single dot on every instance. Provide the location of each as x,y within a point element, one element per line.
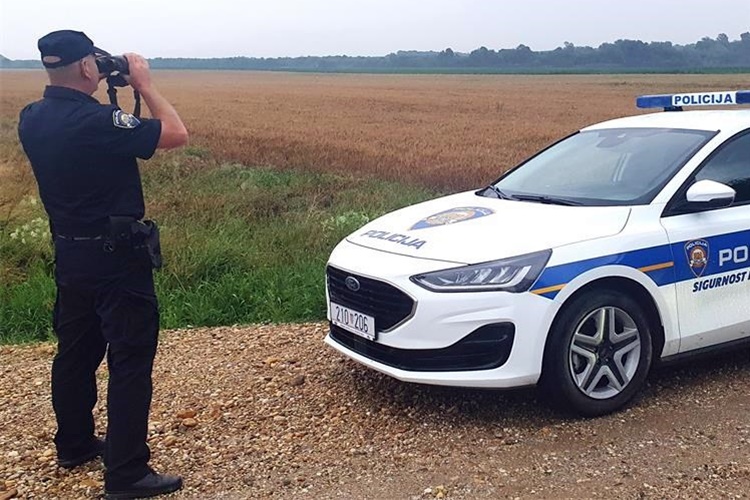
<point>440,323</point>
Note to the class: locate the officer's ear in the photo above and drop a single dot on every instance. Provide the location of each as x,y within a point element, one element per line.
<point>89,70</point>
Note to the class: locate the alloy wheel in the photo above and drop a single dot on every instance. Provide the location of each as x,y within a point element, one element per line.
<point>604,352</point>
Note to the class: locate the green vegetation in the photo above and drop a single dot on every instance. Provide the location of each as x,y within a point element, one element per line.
<point>241,245</point>
<point>708,54</point>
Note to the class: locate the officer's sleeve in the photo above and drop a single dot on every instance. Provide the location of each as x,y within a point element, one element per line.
<point>113,131</point>
<point>22,129</point>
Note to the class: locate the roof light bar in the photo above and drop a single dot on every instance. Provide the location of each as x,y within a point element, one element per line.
<point>675,102</point>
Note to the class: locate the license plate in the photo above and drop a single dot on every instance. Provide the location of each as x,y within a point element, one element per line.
<point>353,321</point>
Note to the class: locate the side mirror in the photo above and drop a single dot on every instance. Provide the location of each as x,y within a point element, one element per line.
<point>710,194</point>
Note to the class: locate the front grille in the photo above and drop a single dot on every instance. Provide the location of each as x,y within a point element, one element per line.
<point>387,304</point>
<point>486,348</point>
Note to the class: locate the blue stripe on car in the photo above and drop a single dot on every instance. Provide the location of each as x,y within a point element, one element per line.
<point>664,264</point>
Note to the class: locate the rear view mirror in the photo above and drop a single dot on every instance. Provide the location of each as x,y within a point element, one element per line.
<point>710,194</point>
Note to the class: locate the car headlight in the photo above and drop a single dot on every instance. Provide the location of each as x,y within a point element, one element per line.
<point>515,274</point>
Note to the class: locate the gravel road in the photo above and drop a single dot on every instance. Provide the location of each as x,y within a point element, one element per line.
<point>269,411</point>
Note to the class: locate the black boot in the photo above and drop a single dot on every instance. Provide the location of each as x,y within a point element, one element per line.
<point>79,458</point>
<point>150,486</point>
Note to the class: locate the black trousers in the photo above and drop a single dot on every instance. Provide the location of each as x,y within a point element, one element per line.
<point>105,304</point>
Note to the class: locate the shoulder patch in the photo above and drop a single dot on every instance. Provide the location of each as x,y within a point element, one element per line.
<point>122,119</point>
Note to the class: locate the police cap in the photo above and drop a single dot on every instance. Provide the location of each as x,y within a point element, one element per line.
<point>64,47</point>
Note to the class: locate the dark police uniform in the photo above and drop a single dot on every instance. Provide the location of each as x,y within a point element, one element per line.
<point>83,155</point>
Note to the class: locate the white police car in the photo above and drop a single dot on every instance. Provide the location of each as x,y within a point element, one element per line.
<point>623,244</point>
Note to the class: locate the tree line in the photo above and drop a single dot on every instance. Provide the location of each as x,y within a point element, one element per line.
<point>707,54</point>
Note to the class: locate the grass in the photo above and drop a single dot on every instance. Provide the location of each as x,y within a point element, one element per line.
<point>241,245</point>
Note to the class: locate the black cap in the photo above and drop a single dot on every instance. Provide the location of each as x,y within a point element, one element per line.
<point>64,47</point>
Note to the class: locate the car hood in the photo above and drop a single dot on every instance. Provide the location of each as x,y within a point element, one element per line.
<point>465,228</point>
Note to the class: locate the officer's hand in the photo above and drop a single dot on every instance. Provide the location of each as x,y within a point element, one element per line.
<point>139,77</point>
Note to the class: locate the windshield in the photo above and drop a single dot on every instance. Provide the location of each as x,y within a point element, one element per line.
<point>626,166</point>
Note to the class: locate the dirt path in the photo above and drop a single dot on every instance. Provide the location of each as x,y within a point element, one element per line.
<point>269,411</point>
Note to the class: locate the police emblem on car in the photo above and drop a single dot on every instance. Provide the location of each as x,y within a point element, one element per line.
<point>452,216</point>
<point>624,244</point>
<point>697,256</point>
<point>125,120</point>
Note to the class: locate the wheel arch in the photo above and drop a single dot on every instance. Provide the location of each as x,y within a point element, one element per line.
<point>632,288</point>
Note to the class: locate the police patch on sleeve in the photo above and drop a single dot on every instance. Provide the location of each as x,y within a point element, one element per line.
<point>122,119</point>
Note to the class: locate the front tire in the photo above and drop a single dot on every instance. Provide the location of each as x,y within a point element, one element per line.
<point>598,354</point>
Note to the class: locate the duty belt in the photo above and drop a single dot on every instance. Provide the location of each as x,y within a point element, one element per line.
<point>79,238</point>
<point>141,236</point>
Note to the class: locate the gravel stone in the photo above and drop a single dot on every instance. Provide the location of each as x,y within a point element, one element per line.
<point>268,411</point>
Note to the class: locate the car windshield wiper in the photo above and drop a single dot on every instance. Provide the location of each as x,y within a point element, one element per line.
<point>546,199</point>
<point>499,193</point>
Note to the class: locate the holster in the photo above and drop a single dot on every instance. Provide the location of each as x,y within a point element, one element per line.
<point>142,236</point>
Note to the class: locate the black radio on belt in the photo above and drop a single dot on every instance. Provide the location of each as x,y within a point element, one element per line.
<point>140,235</point>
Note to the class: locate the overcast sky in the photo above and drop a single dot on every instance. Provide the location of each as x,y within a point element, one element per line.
<point>271,28</point>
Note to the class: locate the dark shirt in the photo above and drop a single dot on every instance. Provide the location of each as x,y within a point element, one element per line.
<point>83,154</point>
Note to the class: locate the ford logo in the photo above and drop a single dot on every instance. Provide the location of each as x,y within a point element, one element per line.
<point>352,283</point>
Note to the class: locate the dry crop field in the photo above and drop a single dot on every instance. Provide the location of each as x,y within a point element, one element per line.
<point>445,131</point>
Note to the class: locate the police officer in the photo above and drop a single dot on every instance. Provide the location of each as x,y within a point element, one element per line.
<point>83,155</point>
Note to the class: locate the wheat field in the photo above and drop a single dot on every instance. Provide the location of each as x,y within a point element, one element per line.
<point>443,131</point>
<point>282,166</point>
